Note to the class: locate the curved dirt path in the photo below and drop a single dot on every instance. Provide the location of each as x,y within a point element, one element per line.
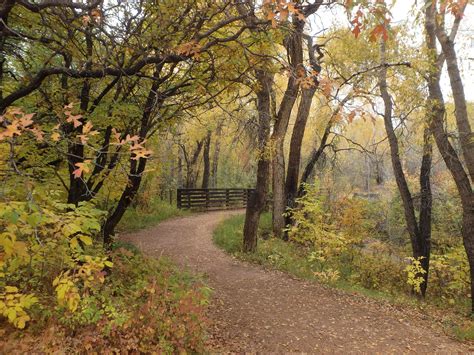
<point>255,310</point>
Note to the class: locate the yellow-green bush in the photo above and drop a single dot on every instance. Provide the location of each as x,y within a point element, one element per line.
<point>449,275</point>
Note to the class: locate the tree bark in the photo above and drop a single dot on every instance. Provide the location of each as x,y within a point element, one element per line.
<point>466,137</point>
<point>137,168</point>
<point>77,186</point>
<point>294,158</point>
<point>294,47</point>
<point>215,154</point>
<point>446,149</point>
<point>207,163</point>
<point>257,200</point>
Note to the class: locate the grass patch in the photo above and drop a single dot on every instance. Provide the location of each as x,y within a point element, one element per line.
<point>464,332</point>
<point>271,252</point>
<point>139,218</point>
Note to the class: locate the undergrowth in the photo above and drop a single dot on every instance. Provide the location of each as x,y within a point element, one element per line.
<point>62,292</point>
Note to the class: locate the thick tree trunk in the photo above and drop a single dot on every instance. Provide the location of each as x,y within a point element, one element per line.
<point>426,203</point>
<point>257,201</point>
<point>294,47</point>
<point>207,161</point>
<point>294,158</point>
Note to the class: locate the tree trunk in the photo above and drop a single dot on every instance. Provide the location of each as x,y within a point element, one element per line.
<point>191,171</point>
<point>278,188</point>
<point>294,158</point>
<point>128,194</point>
<point>420,235</point>
<point>466,137</point>
<point>257,200</point>
<point>426,204</point>
<point>294,47</point>
<point>207,163</point>
<point>137,168</point>
<point>319,150</point>
<point>215,155</point>
<point>77,186</point>
<point>446,149</point>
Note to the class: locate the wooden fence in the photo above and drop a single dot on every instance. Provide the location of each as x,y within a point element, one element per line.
<point>213,198</point>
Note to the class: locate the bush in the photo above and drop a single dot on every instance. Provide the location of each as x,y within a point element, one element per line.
<point>449,276</point>
<point>56,279</point>
<point>379,272</point>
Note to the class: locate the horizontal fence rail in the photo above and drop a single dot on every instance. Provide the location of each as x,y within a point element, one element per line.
<point>213,198</point>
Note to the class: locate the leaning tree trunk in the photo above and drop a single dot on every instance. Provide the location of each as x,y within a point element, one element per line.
<point>128,194</point>
<point>318,151</point>
<point>137,168</point>
<point>257,200</point>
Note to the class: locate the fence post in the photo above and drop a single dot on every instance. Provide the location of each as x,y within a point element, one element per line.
<point>227,198</point>
<point>207,198</point>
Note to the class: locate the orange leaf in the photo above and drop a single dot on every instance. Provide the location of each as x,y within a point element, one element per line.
<point>75,120</point>
<point>81,168</point>
<point>37,133</point>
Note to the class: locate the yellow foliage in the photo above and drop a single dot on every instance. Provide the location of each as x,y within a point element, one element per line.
<point>414,273</point>
<point>13,306</point>
<point>44,244</point>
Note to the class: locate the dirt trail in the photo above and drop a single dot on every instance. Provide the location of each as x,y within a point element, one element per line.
<point>255,310</point>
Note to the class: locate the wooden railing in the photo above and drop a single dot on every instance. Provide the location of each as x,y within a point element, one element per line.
<point>213,198</point>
